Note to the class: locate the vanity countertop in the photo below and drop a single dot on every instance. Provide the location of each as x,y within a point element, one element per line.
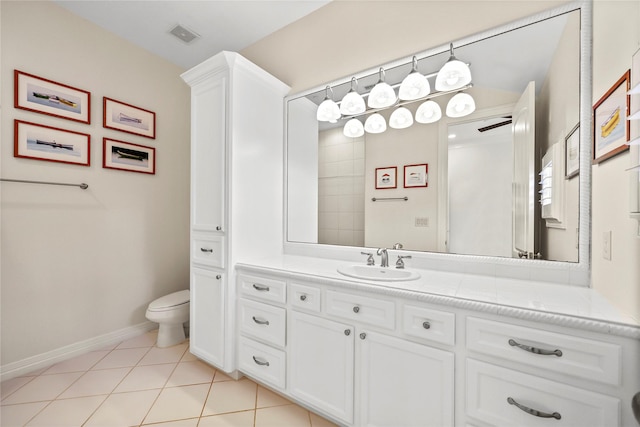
<point>565,305</point>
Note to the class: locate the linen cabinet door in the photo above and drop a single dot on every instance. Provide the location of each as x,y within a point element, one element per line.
<point>321,364</point>
<point>208,141</point>
<point>403,383</point>
<point>207,331</point>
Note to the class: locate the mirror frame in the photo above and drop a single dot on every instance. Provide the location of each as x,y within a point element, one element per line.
<point>559,272</point>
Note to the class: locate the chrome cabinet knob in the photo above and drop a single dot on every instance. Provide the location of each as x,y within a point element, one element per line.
<point>347,332</point>
<point>218,228</point>
<point>363,336</point>
<point>426,325</point>
<point>356,309</point>
<point>303,297</point>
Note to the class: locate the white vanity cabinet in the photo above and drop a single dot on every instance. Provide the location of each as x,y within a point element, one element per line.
<point>236,171</point>
<point>517,374</point>
<point>349,356</point>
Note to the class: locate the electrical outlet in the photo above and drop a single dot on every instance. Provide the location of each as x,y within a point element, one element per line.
<point>422,221</point>
<point>606,245</point>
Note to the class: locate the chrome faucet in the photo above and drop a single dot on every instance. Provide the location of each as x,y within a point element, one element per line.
<point>384,257</point>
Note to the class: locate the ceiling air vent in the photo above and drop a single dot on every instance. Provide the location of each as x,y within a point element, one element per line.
<point>184,34</point>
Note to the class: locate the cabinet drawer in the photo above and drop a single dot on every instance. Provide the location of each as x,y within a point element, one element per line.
<point>584,358</point>
<point>493,394</point>
<point>262,321</point>
<point>362,309</point>
<point>208,250</point>
<point>262,362</point>
<point>428,324</point>
<point>305,297</point>
<point>263,288</point>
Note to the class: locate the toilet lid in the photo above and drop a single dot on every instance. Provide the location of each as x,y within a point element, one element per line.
<point>171,300</point>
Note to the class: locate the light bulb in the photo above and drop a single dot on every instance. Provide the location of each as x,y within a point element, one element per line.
<point>428,112</point>
<point>375,123</point>
<point>401,118</point>
<point>453,75</point>
<point>382,95</point>
<point>353,128</point>
<point>462,104</point>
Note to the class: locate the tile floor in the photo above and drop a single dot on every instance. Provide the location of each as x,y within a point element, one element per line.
<point>135,383</point>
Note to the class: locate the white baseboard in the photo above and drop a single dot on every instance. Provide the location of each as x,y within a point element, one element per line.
<point>43,360</point>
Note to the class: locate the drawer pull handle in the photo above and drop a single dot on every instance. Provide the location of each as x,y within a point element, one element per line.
<point>260,362</point>
<point>356,309</point>
<point>303,297</point>
<point>426,325</point>
<point>363,336</point>
<point>534,412</point>
<point>206,250</point>
<point>218,276</point>
<point>260,288</point>
<point>535,350</point>
<point>347,332</point>
<point>218,228</point>
<point>260,321</point>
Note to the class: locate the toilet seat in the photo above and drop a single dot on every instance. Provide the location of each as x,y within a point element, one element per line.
<point>170,302</point>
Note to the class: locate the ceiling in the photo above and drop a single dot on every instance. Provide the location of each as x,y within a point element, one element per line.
<point>221,24</point>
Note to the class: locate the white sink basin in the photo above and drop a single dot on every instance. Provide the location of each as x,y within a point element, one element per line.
<point>372,272</point>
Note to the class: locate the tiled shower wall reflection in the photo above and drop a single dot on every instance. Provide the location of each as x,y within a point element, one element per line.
<point>340,189</point>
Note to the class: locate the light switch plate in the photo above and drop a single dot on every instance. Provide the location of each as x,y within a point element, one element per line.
<point>606,245</point>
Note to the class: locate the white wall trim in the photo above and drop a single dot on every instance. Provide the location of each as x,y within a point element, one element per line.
<point>24,366</point>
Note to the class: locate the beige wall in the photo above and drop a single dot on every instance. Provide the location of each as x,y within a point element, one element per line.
<point>78,264</point>
<point>557,113</point>
<point>616,37</point>
<point>345,37</point>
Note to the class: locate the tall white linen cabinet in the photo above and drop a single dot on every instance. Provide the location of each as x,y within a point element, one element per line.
<point>236,190</point>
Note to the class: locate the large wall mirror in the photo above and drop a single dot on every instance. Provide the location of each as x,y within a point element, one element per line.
<point>508,180</point>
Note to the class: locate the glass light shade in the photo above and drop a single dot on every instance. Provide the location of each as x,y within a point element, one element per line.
<point>462,104</point>
<point>414,86</point>
<point>453,75</point>
<point>352,103</point>
<point>401,118</point>
<point>375,123</point>
<point>382,95</point>
<point>328,110</point>
<point>428,112</point>
<point>353,128</point>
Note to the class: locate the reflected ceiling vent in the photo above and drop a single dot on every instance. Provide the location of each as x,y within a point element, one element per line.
<point>184,34</point>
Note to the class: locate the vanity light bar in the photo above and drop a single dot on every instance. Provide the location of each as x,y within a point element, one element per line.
<point>402,103</point>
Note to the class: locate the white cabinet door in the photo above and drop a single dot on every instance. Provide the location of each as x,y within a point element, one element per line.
<point>321,364</point>
<point>207,331</point>
<point>403,384</point>
<point>208,137</point>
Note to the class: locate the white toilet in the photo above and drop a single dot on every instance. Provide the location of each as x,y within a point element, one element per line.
<point>170,312</point>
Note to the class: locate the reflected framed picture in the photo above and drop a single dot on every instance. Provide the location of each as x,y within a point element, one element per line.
<point>128,118</point>
<point>386,178</point>
<point>610,124</point>
<point>40,95</point>
<point>572,153</point>
<point>416,175</point>
<point>39,142</point>
<point>128,157</point>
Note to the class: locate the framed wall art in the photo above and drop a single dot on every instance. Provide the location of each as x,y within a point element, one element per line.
<point>572,153</point>
<point>386,178</point>
<point>39,142</point>
<point>128,157</point>
<point>40,95</point>
<point>610,124</point>
<point>127,118</point>
<point>416,175</point>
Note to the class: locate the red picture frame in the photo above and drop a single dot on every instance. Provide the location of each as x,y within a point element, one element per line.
<point>44,96</point>
<point>416,175</point>
<point>128,118</point>
<point>48,143</point>
<point>386,178</point>
<point>121,155</point>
